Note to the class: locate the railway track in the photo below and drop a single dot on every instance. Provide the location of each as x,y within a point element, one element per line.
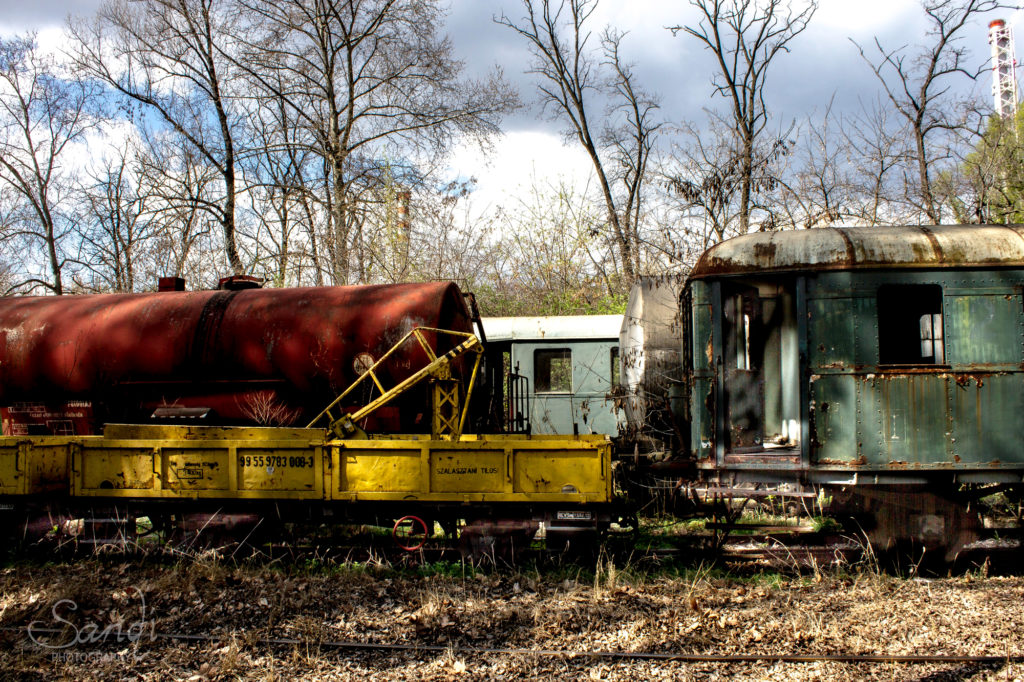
<point>775,547</point>
<point>776,552</point>
<point>612,655</point>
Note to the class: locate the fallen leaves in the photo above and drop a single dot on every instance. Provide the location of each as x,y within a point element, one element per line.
<point>868,614</point>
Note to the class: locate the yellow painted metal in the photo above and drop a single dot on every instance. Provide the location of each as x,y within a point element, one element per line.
<point>476,469</point>
<point>446,418</point>
<point>33,466</point>
<point>299,464</point>
<point>438,369</point>
<point>201,468</point>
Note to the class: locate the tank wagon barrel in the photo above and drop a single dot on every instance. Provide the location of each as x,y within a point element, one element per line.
<point>251,356</point>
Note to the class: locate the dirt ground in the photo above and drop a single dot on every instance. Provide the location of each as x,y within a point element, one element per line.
<point>274,622</point>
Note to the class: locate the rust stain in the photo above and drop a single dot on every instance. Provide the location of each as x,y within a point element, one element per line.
<point>765,252</point>
<point>860,461</point>
<point>936,247</point>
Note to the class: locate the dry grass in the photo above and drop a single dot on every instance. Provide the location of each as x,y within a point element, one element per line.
<point>610,609</point>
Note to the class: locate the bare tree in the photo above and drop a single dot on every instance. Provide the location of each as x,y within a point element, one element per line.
<point>277,168</point>
<point>571,76</point>
<point>449,240</point>
<point>113,226</point>
<point>706,175</point>
<point>168,57</point>
<point>42,114</point>
<point>746,36</point>
<point>920,87</point>
<point>818,193</point>
<point>877,154</point>
<point>367,79</point>
<point>177,187</point>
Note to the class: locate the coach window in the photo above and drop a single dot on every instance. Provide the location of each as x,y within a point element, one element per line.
<point>910,325</point>
<point>616,365</point>
<point>552,371</point>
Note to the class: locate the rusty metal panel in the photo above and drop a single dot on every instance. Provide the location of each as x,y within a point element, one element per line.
<point>702,328</point>
<point>984,330</point>
<point>830,330</point>
<point>986,417</point>
<point>834,423</point>
<point>842,332</point>
<point>186,469</point>
<point>484,468</point>
<point>703,354</point>
<point>910,410</point>
<point>218,466</point>
<point>12,478</point>
<point>870,417</point>
<point>572,470</point>
<point>382,469</point>
<point>467,471</point>
<point>46,465</point>
<point>401,468</point>
<point>35,466</point>
<point>104,466</point>
<point>277,467</point>
<point>702,410</point>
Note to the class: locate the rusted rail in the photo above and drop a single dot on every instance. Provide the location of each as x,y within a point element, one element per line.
<point>681,656</point>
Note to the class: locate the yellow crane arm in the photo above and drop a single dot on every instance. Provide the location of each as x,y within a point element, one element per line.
<point>447,419</point>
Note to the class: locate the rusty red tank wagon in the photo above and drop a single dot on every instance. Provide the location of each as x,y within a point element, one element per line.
<point>254,356</point>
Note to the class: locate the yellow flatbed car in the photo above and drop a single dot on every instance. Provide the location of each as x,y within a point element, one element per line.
<point>181,462</point>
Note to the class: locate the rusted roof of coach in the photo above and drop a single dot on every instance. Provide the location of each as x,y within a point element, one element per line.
<point>852,248</point>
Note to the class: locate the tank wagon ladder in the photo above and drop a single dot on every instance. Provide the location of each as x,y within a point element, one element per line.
<point>447,420</point>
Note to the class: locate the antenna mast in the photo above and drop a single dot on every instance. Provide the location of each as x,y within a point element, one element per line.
<point>1004,80</point>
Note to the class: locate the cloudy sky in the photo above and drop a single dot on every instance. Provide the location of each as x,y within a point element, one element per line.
<point>823,64</point>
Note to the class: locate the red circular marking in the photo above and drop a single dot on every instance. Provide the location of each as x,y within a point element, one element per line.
<point>410,547</point>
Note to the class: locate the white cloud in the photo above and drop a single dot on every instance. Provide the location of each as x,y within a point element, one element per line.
<point>864,17</point>
<point>519,161</point>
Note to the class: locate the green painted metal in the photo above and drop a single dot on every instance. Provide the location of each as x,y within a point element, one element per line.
<point>965,412</point>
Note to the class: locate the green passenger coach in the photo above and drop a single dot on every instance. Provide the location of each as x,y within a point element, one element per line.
<point>886,356</point>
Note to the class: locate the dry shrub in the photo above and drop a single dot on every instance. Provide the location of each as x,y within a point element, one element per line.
<point>265,409</point>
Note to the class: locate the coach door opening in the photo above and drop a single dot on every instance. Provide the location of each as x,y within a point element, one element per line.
<point>760,376</point>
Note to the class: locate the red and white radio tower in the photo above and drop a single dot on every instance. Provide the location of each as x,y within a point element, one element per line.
<point>1004,80</point>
